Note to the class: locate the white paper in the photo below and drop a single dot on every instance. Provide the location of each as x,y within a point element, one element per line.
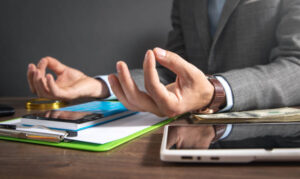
<point>117,129</point>
<point>113,130</point>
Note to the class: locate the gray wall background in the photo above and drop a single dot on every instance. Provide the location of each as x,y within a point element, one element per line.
<point>90,35</point>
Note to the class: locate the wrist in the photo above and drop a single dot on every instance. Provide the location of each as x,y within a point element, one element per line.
<point>92,88</point>
<point>101,89</point>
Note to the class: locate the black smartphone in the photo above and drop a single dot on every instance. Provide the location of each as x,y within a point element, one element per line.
<point>6,110</point>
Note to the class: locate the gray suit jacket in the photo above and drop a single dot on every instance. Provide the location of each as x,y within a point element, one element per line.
<point>256,48</point>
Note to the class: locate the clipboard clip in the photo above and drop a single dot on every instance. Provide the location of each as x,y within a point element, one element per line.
<point>33,133</point>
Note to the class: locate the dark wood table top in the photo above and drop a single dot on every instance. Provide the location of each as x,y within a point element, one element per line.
<point>138,158</point>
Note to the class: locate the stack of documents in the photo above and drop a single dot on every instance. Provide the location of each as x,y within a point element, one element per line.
<point>104,133</point>
<point>97,138</point>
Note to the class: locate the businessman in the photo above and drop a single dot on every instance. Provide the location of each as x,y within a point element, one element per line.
<point>251,47</point>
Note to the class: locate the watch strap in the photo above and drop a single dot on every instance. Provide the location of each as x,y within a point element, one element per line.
<point>218,99</point>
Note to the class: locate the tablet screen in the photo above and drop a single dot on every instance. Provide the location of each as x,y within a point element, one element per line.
<point>234,136</point>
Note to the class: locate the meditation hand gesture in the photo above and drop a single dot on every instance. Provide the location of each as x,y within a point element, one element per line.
<point>190,91</point>
<point>70,83</point>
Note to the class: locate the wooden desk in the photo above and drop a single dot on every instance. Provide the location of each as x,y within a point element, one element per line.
<point>136,159</point>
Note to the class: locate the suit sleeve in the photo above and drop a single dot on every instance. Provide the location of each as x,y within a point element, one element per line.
<point>276,84</point>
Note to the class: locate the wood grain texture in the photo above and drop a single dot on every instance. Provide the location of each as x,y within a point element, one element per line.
<point>138,158</point>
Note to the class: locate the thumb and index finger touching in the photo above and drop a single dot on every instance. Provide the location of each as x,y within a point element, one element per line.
<point>57,67</point>
<point>53,64</point>
<point>168,59</point>
<point>48,80</point>
<point>172,61</point>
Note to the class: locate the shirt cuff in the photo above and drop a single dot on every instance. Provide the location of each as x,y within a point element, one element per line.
<point>105,79</point>
<point>227,131</point>
<point>228,92</point>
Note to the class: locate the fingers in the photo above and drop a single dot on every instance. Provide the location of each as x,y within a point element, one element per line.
<point>127,83</point>
<point>131,91</point>
<point>53,64</point>
<point>46,87</point>
<point>151,78</point>
<point>173,62</point>
<point>54,90</point>
<point>30,73</point>
<point>42,66</point>
<point>165,100</point>
<point>40,84</point>
<point>128,93</point>
<point>118,91</point>
<point>37,80</point>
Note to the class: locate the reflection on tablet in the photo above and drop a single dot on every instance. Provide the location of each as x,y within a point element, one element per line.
<point>238,136</point>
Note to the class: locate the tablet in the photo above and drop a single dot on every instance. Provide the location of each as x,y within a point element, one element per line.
<point>224,143</point>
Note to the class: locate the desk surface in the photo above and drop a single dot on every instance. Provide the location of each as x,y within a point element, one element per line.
<point>136,159</point>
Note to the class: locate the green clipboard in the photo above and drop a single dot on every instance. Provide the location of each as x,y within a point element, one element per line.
<point>93,147</point>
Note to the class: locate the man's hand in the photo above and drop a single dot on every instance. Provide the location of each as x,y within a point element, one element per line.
<point>190,91</point>
<point>70,83</point>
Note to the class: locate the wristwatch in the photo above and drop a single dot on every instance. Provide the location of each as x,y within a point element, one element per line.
<point>218,99</point>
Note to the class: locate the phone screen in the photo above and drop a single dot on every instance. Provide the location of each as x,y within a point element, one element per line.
<point>65,116</point>
<point>234,136</point>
